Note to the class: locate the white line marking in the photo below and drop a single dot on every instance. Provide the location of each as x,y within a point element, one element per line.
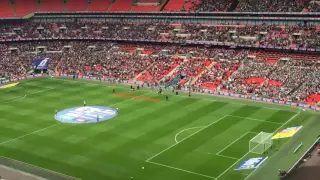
<point>14,99</point>
<point>176,136</point>
<point>229,157</point>
<point>249,151</point>
<point>53,124</point>
<point>40,91</point>
<point>273,133</point>
<point>253,119</point>
<point>40,168</point>
<point>185,139</point>
<point>29,133</point>
<point>233,142</point>
<point>181,170</point>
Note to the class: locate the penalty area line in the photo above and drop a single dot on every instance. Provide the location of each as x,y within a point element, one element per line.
<point>183,170</point>
<point>185,138</point>
<point>289,120</point>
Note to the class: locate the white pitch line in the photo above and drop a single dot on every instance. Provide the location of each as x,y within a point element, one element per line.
<point>253,119</point>
<point>176,136</point>
<point>229,157</point>
<point>273,133</point>
<point>203,175</point>
<point>10,100</point>
<point>233,142</point>
<point>53,124</point>
<point>184,139</point>
<point>249,151</point>
<point>40,91</point>
<point>2,143</point>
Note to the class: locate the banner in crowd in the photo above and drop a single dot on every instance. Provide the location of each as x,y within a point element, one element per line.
<point>40,63</point>
<point>287,132</point>
<point>251,163</point>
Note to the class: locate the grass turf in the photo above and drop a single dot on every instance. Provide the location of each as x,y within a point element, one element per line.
<point>184,138</point>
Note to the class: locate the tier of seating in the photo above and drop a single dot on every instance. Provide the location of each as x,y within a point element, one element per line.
<point>270,6</point>
<point>6,9</point>
<point>20,8</point>
<point>274,35</point>
<point>121,5</point>
<point>76,5</point>
<point>211,5</point>
<point>24,7</point>
<point>286,78</point>
<point>51,6</point>
<point>99,5</point>
<point>144,8</point>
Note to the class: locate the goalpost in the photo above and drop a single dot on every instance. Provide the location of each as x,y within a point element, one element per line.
<point>260,143</point>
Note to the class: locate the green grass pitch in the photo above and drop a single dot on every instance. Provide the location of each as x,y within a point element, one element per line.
<point>189,138</point>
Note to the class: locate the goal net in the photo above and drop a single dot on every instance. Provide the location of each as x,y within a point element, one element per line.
<point>260,143</point>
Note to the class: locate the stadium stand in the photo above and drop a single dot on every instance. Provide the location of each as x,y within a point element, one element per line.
<point>283,76</point>
<point>270,6</point>
<point>25,7</point>
<point>144,8</point>
<point>314,6</point>
<point>174,5</point>
<point>76,5</point>
<point>6,9</point>
<point>211,5</point>
<point>51,5</point>
<point>121,5</point>
<point>99,5</point>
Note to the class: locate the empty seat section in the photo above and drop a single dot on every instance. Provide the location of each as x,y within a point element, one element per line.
<point>144,8</point>
<point>51,5</point>
<point>121,5</point>
<point>6,9</point>
<point>25,7</point>
<point>76,5</point>
<point>99,5</point>
<point>174,5</point>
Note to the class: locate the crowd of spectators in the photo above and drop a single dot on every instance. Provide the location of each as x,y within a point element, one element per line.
<point>212,5</point>
<point>296,36</point>
<point>270,6</point>
<point>314,6</point>
<point>231,70</point>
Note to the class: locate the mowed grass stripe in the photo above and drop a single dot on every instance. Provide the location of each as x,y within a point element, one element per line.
<point>69,147</point>
<point>54,164</point>
<point>116,149</point>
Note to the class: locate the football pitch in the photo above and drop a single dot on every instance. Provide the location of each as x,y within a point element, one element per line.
<point>190,138</point>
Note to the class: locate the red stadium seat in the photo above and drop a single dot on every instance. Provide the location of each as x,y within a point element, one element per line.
<point>99,5</point>
<point>76,5</point>
<point>144,8</point>
<point>6,9</point>
<point>121,5</point>
<point>51,5</point>
<point>25,7</point>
